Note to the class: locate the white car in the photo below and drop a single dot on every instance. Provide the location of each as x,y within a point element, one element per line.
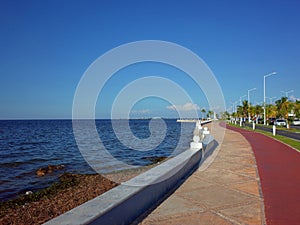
<point>280,122</point>
<point>296,122</point>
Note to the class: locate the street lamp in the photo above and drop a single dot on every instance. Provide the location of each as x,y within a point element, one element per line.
<point>287,93</point>
<point>231,107</point>
<point>241,106</point>
<point>235,110</point>
<point>249,102</point>
<point>234,106</point>
<point>241,99</point>
<point>270,74</point>
<point>271,99</point>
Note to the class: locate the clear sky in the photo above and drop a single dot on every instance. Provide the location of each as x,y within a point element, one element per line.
<point>46,46</point>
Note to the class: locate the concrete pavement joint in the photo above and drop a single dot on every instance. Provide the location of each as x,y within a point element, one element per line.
<point>228,219</point>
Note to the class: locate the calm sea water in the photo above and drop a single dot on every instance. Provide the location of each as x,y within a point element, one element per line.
<point>27,145</point>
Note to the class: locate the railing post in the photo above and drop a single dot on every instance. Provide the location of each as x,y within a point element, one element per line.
<point>274,130</point>
<point>196,144</point>
<point>206,131</point>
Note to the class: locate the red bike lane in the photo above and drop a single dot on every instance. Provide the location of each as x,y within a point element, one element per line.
<point>279,172</point>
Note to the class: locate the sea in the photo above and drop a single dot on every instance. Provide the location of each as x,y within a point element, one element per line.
<point>27,145</point>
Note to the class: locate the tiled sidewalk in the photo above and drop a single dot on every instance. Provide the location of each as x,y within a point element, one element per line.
<point>227,192</point>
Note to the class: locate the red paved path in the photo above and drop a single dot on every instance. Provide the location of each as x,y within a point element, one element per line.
<point>279,171</point>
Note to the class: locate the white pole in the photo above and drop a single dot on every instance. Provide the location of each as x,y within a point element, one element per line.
<point>265,94</point>
<point>241,99</point>
<point>287,93</point>
<point>249,102</point>
<point>271,99</point>
<point>264,100</point>
<point>248,106</point>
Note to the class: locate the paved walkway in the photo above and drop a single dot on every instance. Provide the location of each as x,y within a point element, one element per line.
<point>279,171</point>
<point>227,192</point>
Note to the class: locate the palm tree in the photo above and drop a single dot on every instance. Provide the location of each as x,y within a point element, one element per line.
<point>283,108</point>
<point>271,111</point>
<point>225,115</point>
<point>210,113</point>
<point>234,115</point>
<point>296,108</point>
<point>243,109</point>
<point>258,111</point>
<point>238,112</point>
<point>251,111</point>
<point>203,112</point>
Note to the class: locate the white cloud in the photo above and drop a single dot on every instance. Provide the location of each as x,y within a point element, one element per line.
<point>186,107</point>
<point>142,111</point>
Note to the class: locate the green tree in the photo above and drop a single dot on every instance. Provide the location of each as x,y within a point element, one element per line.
<point>203,112</point>
<point>210,113</point>
<point>271,111</point>
<point>284,107</point>
<point>243,109</point>
<point>258,111</point>
<point>235,115</point>
<point>225,115</point>
<point>296,108</point>
<point>251,111</point>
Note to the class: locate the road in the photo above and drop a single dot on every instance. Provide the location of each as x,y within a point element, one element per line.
<point>295,127</point>
<point>289,134</point>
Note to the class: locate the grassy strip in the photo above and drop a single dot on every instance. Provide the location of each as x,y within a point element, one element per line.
<point>291,142</point>
<point>65,181</point>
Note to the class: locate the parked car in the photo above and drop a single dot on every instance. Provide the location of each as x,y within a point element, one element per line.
<point>296,122</point>
<point>280,122</point>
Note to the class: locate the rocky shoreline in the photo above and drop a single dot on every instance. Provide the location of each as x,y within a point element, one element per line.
<point>37,208</point>
<point>72,191</point>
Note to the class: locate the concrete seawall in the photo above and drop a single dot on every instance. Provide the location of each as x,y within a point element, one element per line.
<point>131,201</point>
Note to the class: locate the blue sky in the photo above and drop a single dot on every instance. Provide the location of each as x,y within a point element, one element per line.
<point>46,46</point>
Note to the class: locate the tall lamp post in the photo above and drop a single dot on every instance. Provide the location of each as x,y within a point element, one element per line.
<point>234,106</point>
<point>249,102</point>
<point>270,74</point>
<point>241,99</point>
<point>241,118</point>
<point>271,99</point>
<point>287,93</point>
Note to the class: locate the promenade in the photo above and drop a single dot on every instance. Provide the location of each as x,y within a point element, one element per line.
<point>254,179</point>
<point>227,192</point>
